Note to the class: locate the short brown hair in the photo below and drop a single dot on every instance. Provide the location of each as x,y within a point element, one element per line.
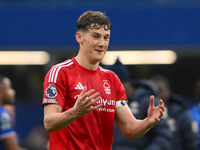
<point>93,20</point>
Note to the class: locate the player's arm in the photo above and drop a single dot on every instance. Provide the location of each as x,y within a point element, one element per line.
<point>11,143</point>
<point>133,128</point>
<point>55,119</point>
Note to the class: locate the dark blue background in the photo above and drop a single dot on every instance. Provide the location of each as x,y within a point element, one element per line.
<point>134,24</point>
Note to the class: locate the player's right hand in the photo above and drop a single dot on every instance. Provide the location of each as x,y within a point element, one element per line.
<point>85,102</point>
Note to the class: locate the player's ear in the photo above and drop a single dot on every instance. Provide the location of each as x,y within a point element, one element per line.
<point>79,37</point>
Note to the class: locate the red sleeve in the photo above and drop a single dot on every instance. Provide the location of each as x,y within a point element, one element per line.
<point>54,92</point>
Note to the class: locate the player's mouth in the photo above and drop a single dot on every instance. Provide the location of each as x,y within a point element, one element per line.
<point>100,51</point>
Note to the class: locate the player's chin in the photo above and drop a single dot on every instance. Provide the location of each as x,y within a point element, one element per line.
<point>99,57</point>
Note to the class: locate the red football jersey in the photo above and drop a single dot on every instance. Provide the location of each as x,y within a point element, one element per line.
<point>62,85</point>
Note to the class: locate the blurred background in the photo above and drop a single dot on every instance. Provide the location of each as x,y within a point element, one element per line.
<point>137,25</point>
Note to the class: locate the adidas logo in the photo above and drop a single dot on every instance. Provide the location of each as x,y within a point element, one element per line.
<point>79,86</point>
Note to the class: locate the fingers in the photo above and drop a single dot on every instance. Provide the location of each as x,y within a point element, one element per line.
<point>84,94</point>
<point>162,108</point>
<point>95,107</point>
<point>161,113</point>
<point>161,102</point>
<point>157,120</point>
<point>162,105</point>
<point>93,102</point>
<point>89,98</point>
<point>151,101</point>
<point>83,91</point>
<point>86,102</point>
<point>155,113</point>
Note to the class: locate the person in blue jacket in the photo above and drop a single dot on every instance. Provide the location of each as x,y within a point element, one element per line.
<point>8,136</point>
<point>180,121</point>
<point>138,93</point>
<point>195,110</point>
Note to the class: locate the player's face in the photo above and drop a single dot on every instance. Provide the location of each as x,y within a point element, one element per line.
<point>9,92</point>
<point>95,43</point>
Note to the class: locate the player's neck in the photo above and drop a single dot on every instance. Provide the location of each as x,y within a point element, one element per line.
<point>84,62</point>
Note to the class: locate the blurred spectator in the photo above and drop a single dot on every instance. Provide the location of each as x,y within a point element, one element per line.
<point>11,110</point>
<point>47,145</point>
<point>138,93</point>
<point>8,137</point>
<point>195,110</point>
<point>180,121</point>
<point>37,138</point>
<point>9,105</point>
<point>196,95</point>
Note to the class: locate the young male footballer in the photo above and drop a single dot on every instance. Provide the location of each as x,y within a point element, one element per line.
<point>81,100</point>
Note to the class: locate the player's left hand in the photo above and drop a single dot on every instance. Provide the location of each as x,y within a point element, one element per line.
<point>155,113</point>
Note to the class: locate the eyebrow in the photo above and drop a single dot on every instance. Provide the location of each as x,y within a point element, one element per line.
<point>100,34</point>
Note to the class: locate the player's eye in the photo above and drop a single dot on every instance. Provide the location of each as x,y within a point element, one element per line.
<point>106,38</point>
<point>95,36</point>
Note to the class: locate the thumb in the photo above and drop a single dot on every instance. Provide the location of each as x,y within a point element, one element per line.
<point>151,101</point>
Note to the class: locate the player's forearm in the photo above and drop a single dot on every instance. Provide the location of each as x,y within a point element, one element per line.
<point>137,128</point>
<point>55,121</point>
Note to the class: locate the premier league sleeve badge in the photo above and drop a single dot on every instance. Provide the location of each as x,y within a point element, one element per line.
<point>51,91</point>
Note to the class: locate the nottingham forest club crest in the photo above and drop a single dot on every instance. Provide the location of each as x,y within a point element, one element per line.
<point>106,87</point>
<point>51,91</point>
